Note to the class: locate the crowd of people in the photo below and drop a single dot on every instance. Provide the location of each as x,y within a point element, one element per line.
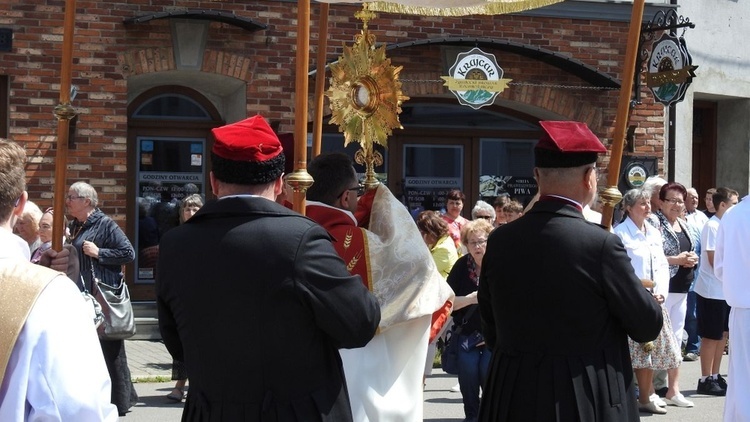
<point>353,300</point>
<point>670,243</point>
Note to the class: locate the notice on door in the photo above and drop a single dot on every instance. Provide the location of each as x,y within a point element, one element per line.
<point>169,170</point>
<point>428,193</point>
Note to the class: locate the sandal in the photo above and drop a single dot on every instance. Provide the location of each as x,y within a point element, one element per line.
<point>177,394</point>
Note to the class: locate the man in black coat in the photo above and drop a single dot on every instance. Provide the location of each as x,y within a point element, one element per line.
<point>253,297</point>
<point>558,298</point>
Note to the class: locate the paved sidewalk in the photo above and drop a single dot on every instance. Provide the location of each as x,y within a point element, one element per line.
<point>148,359</point>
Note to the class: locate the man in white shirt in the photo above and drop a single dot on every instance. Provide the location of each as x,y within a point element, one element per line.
<point>732,266</point>
<point>692,215</point>
<point>713,311</point>
<point>56,370</point>
<point>695,222</point>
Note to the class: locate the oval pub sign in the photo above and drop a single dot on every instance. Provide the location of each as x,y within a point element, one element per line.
<point>475,78</point>
<point>670,69</point>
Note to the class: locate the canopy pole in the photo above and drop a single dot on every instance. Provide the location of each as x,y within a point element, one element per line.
<point>64,113</point>
<point>320,79</point>
<point>612,196</point>
<point>300,180</point>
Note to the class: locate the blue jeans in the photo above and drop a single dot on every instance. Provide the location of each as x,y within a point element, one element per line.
<point>691,325</point>
<point>473,366</point>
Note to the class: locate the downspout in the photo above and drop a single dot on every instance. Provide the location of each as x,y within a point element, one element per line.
<point>671,132</point>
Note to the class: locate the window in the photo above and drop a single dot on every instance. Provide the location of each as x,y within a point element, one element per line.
<point>172,106</point>
<point>506,157</point>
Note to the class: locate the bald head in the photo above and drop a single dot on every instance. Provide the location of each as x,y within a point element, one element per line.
<point>691,201</point>
<point>577,183</point>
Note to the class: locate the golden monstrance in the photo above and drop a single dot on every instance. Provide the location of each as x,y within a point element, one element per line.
<point>365,97</point>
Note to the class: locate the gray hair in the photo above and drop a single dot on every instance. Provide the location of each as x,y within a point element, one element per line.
<point>653,184</point>
<point>632,196</point>
<point>32,210</point>
<point>85,190</point>
<point>483,206</point>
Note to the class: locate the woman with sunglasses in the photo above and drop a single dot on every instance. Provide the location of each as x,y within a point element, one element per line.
<point>102,251</point>
<point>679,248</point>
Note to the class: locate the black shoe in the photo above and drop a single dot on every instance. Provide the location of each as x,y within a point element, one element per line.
<point>710,387</point>
<point>721,381</point>
<point>662,392</point>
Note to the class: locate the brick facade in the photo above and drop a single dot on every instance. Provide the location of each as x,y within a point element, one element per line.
<point>107,53</point>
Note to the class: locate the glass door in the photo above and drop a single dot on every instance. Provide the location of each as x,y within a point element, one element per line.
<point>424,170</point>
<point>169,169</point>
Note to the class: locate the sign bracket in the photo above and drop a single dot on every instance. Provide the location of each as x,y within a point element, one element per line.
<point>662,21</point>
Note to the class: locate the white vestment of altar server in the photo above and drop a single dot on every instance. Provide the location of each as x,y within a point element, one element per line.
<point>732,266</point>
<point>56,371</point>
<point>384,378</point>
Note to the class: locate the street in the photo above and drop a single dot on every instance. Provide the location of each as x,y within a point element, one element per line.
<point>442,405</point>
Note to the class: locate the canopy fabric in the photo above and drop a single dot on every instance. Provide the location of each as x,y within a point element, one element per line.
<point>450,7</point>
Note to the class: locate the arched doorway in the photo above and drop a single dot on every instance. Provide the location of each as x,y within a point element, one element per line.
<point>168,141</point>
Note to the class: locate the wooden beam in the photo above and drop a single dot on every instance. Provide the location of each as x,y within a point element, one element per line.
<point>64,113</point>
<point>612,196</point>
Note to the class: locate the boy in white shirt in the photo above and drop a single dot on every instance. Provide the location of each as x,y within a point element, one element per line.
<point>712,309</point>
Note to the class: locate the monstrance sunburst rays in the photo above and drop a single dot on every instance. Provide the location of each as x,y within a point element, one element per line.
<point>365,97</point>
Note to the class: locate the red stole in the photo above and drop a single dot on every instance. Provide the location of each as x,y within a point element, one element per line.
<point>349,240</point>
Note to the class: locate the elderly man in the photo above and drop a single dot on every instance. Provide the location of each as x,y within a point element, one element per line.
<point>696,220</point>
<point>558,306</point>
<point>28,225</point>
<point>694,216</point>
<point>253,297</point>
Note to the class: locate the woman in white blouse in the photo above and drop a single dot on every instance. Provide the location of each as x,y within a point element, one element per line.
<point>643,243</point>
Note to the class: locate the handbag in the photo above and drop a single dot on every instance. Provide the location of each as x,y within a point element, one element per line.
<point>119,322</point>
<point>449,356</point>
<point>93,305</point>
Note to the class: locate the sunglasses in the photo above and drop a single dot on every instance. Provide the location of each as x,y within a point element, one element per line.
<point>359,188</point>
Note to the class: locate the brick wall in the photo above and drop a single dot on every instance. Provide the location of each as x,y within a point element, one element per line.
<point>108,52</point>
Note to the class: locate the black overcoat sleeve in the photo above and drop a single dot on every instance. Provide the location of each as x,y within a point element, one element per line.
<point>341,304</point>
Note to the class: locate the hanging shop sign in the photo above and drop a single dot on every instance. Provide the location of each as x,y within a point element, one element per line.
<point>475,79</point>
<point>670,69</point>
<point>635,174</point>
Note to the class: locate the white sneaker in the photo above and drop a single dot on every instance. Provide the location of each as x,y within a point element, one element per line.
<point>680,401</point>
<point>652,407</point>
<point>456,388</point>
<point>657,400</point>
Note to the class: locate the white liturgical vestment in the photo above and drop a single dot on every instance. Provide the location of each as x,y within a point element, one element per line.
<point>732,266</point>
<point>56,371</point>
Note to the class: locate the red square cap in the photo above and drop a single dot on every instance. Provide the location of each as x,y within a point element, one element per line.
<point>567,144</point>
<point>249,140</point>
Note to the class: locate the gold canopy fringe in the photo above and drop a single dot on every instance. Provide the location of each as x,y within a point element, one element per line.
<point>496,7</point>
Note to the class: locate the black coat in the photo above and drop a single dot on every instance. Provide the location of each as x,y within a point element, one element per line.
<point>256,302</point>
<point>558,298</point>
<point>115,250</point>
